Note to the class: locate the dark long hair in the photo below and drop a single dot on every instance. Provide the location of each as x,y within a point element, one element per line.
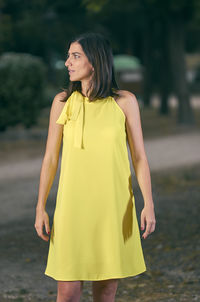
<point>98,50</point>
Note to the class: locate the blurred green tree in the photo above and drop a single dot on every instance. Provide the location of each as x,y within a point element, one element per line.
<point>22,89</point>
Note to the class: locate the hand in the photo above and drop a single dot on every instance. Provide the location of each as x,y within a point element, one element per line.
<point>41,219</point>
<point>148,218</point>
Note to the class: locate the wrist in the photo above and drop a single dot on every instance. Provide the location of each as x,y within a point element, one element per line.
<point>40,208</point>
<point>149,204</point>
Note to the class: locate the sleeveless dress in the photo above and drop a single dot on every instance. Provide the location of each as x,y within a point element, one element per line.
<point>95,233</point>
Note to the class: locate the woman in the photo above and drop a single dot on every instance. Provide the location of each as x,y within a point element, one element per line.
<point>95,234</point>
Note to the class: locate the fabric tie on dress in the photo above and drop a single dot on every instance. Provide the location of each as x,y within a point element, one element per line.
<point>74,110</point>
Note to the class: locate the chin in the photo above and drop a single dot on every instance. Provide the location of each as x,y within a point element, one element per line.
<point>72,79</point>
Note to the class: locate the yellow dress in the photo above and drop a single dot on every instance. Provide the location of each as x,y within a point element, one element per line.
<point>95,233</point>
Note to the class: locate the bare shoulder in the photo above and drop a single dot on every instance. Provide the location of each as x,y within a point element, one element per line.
<point>59,97</point>
<point>127,101</point>
<point>126,96</point>
<point>57,105</point>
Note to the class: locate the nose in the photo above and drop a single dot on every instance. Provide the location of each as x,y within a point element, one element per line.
<point>67,62</point>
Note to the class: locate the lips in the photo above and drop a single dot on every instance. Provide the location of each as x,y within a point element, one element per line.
<point>70,71</point>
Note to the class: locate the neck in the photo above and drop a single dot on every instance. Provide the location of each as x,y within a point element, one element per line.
<point>84,87</point>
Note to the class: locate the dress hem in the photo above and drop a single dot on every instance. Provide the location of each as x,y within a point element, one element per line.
<point>96,279</point>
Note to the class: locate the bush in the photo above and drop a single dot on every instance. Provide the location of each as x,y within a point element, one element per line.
<point>22,89</point>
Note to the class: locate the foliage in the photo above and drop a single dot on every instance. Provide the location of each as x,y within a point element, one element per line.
<point>22,85</point>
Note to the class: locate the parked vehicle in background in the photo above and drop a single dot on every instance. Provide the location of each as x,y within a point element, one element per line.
<point>193,72</point>
<point>129,74</point>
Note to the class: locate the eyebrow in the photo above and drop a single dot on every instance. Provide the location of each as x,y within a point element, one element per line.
<point>75,53</point>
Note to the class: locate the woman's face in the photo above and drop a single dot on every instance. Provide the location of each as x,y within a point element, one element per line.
<point>77,63</point>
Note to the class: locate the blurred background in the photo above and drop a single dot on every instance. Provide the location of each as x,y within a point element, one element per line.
<point>156,48</point>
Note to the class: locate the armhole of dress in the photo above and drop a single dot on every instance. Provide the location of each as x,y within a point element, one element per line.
<point>119,108</point>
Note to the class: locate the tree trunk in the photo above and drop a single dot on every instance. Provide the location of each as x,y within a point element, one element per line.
<point>147,59</point>
<point>164,70</point>
<point>178,65</point>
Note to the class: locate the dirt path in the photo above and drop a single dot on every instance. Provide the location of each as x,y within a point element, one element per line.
<point>173,151</point>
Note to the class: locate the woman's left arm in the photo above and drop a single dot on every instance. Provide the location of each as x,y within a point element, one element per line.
<point>139,160</point>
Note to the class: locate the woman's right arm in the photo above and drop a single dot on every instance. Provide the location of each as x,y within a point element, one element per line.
<point>49,166</point>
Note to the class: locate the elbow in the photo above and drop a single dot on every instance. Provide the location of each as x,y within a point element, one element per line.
<point>51,161</point>
<point>140,160</point>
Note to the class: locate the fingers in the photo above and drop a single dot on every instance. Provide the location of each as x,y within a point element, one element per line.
<point>39,230</point>
<point>142,221</point>
<point>47,228</point>
<point>149,229</point>
<point>40,222</point>
<point>153,225</point>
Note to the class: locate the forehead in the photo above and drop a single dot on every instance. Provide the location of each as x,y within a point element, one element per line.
<point>75,47</point>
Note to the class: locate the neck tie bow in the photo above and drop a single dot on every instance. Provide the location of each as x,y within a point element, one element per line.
<point>74,110</point>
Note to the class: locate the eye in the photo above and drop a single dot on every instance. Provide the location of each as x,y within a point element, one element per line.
<point>74,55</point>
